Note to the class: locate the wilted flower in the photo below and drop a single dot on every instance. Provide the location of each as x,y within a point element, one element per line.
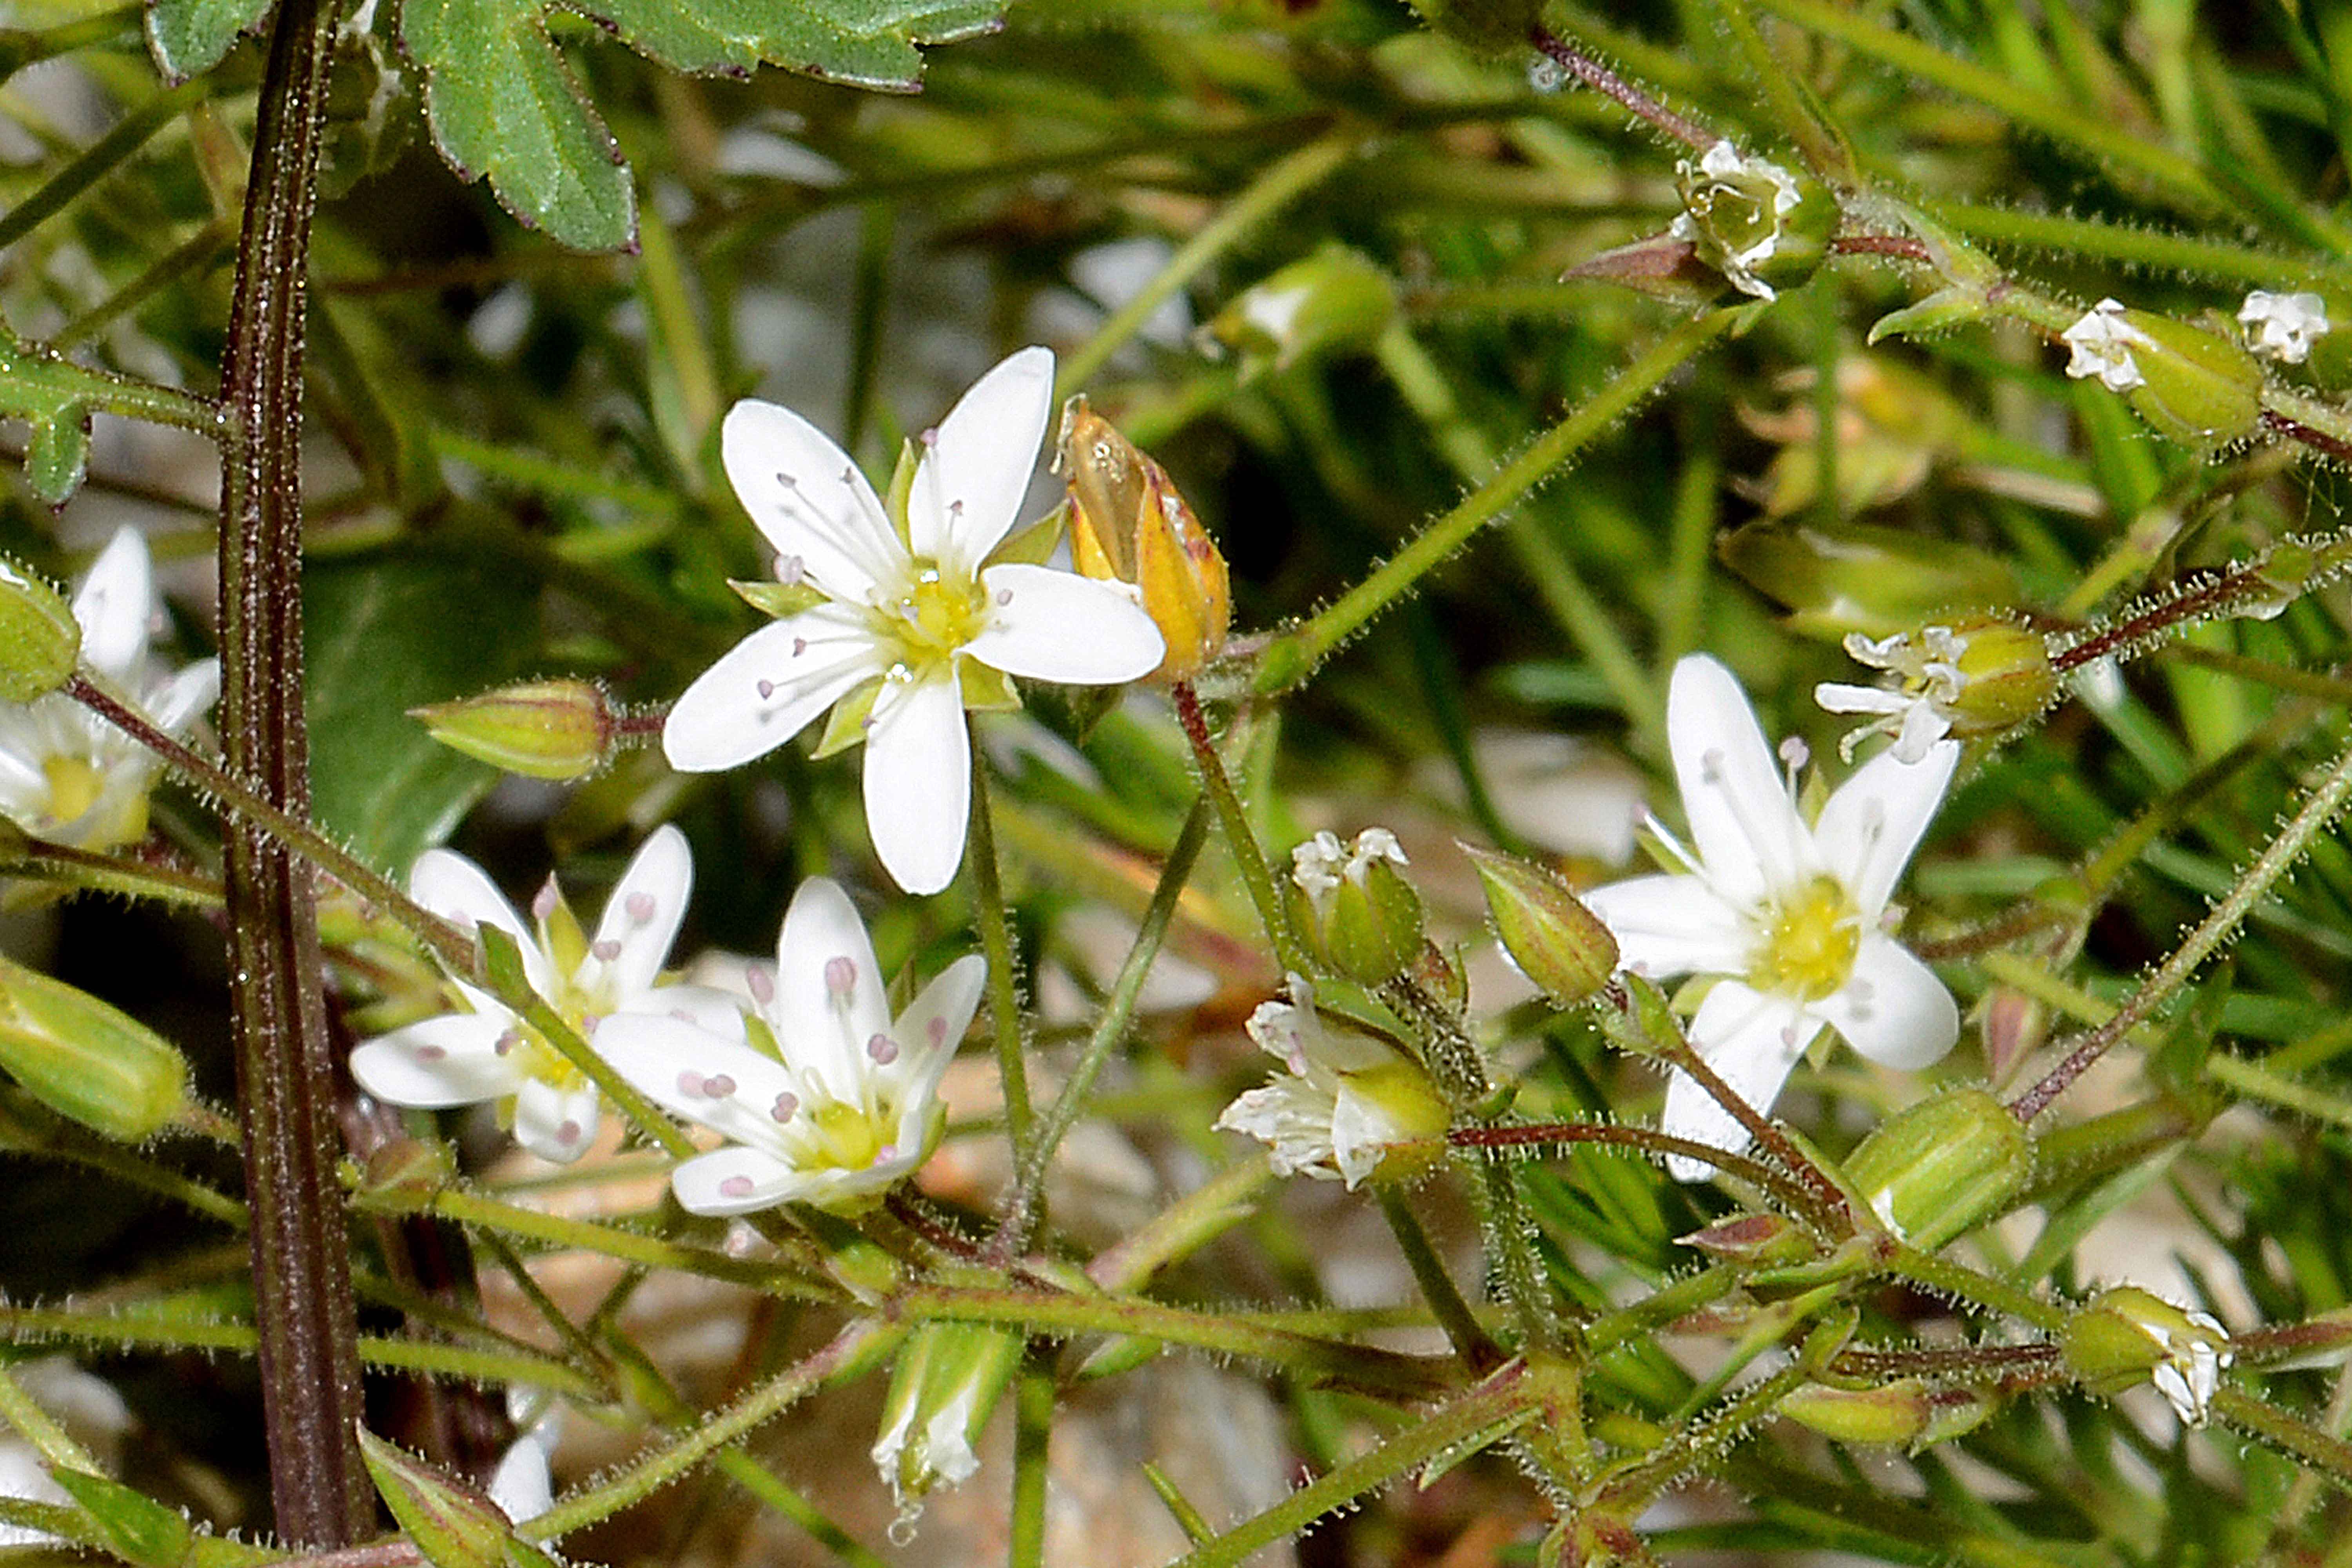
<point>907,621</point>
<point>1361,915</point>
<point>1976,677</point>
<point>486,1053</point>
<point>945,1385</point>
<point>67,775</point>
<point>2283,326</point>
<point>1345,1101</point>
<point>2126,1333</point>
<point>1789,914</point>
<point>830,1102</point>
<point>2103,342</point>
<point>1762,226</point>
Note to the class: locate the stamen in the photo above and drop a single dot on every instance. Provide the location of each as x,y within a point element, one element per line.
<point>937,1029</point>
<point>431,1053</point>
<point>605,951</point>
<point>759,983</point>
<point>543,902</point>
<point>767,689</point>
<point>786,1104</point>
<point>1003,596</point>
<point>884,1154</point>
<point>640,907</point>
<point>790,569</point>
<point>1711,765</point>
<point>800,646</point>
<point>840,977</point>
<point>1794,755</point>
<point>690,1083</point>
<point>718,1086</point>
<point>506,1042</point>
<point>569,1133</point>
<point>882,1049</point>
<point>735,1187</point>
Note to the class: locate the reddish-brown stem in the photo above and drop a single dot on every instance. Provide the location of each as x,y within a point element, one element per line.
<point>2206,599</point>
<point>1901,246</point>
<point>2317,441</point>
<point>301,1269</point>
<point>1602,79</point>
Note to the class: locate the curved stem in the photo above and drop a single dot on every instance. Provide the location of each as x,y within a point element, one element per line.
<point>1004,966</point>
<point>1257,876</point>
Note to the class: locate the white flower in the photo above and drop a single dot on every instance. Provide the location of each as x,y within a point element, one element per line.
<point>2102,342</point>
<point>2189,1373</point>
<point>486,1053</point>
<point>907,612</point>
<point>524,1486</point>
<point>1918,715</point>
<point>1789,914</point>
<point>1322,863</point>
<point>67,775</point>
<point>1344,1102</point>
<point>1724,164</point>
<point>2283,326</point>
<point>831,1103</point>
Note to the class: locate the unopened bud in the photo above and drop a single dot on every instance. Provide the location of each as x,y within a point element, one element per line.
<point>1355,907</point>
<point>943,1389</point>
<point>1940,1168</point>
<point>1553,938</point>
<point>453,1523</point>
<point>1764,228</point>
<point>1905,1411</point>
<point>1128,523</point>
<point>1335,299</point>
<point>87,1060</point>
<point>2126,1335</point>
<point>560,728</point>
<point>40,641</point>
<point>1765,1240</point>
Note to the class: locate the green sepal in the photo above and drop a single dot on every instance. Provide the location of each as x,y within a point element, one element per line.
<point>760,1038</point>
<point>986,689</point>
<point>902,487</point>
<point>1437,1465</point>
<point>452,1525</point>
<point>132,1525</point>
<point>846,726</point>
<point>1033,545</point>
<point>778,599</point>
<point>40,641</point>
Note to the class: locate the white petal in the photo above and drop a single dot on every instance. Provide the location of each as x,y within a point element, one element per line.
<point>521,1488</point>
<point>919,782</point>
<point>674,1064</point>
<point>735,1179</point>
<point>970,487</point>
<point>934,1024</point>
<point>438,1062</point>
<point>455,888</point>
<point>766,689</point>
<point>1362,1133</point>
<point>807,496</point>
<point>824,1028</point>
<point>1834,697</point>
<point>1057,625</point>
<point>1666,926</point>
<point>706,1007</point>
<point>1293,1120</point>
<point>177,701</point>
<point>115,604</point>
<point>1741,818</point>
<point>555,1124</point>
<point>641,917</point>
<point>1751,1040</point>
<point>1868,828</point>
<point>1892,1008</point>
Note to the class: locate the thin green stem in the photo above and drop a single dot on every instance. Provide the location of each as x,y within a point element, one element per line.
<point>1032,1431</point>
<point>2323,1452</point>
<point>1110,1028</point>
<point>2250,1080</point>
<point>995,922</point>
<point>1292,656</point>
<point>1960,1283</point>
<point>38,1427</point>
<point>197,254</point>
<point>1283,182</point>
<point>2319,808</point>
<point>1273,911</point>
<point>1475,1347</point>
<point>100,159</point>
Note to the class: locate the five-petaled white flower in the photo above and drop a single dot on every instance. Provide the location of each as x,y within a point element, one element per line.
<point>67,775</point>
<point>830,1102</point>
<point>2283,326</point>
<point>1788,914</point>
<point>910,607</point>
<point>2102,344</point>
<point>486,1053</point>
<point>1344,1102</point>
<point>1725,168</point>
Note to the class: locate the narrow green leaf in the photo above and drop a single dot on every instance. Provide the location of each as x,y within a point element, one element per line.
<point>136,1528</point>
<point>188,37</point>
<point>452,1524</point>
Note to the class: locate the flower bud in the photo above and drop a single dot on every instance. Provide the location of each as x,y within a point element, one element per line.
<point>943,1389</point>
<point>1362,917</point>
<point>453,1524</point>
<point>560,728</point>
<point>1128,523</point>
<point>87,1060</point>
<point>1762,226</point>
<point>1905,1411</point>
<point>40,641</point>
<point>1335,299</point>
<point>1553,938</point>
<point>2126,1334</point>
<point>1940,1168</point>
<point>1766,1240</point>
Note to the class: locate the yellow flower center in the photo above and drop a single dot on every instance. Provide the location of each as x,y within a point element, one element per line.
<point>1810,938</point>
<point>74,787</point>
<point>933,618</point>
<point>845,1136</point>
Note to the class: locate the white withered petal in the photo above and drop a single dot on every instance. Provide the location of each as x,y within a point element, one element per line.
<point>2283,326</point>
<point>2102,344</point>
